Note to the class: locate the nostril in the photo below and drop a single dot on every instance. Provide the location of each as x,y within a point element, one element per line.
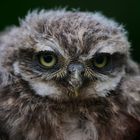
<point>82,72</point>
<point>71,69</point>
<point>69,72</point>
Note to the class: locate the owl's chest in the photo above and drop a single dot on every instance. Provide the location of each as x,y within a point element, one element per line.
<point>90,127</point>
<point>48,123</point>
<point>78,128</point>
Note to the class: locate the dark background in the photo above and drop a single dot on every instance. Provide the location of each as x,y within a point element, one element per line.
<point>126,12</point>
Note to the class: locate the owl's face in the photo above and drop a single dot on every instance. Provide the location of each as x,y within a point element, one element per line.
<point>66,55</point>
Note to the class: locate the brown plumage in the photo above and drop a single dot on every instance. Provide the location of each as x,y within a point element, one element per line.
<point>68,76</point>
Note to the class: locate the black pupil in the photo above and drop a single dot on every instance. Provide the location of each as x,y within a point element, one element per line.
<point>48,58</point>
<point>100,59</point>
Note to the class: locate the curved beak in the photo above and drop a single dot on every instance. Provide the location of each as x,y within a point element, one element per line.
<point>76,72</point>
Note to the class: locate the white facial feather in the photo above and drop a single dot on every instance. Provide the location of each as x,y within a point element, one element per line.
<point>44,89</point>
<point>113,46</point>
<point>110,47</point>
<point>43,47</point>
<point>16,68</point>
<point>51,45</point>
<point>103,87</point>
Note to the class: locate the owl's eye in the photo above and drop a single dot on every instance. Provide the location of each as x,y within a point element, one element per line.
<point>100,61</point>
<point>47,59</point>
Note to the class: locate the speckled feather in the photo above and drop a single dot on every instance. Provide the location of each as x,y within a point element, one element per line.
<point>38,104</point>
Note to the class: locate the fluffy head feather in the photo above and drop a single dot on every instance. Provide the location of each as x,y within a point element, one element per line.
<point>76,37</point>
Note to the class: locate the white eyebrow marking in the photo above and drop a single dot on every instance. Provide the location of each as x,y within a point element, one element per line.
<point>51,45</point>
<point>43,47</point>
<point>108,47</point>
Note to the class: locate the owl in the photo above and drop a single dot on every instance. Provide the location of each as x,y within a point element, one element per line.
<point>68,75</point>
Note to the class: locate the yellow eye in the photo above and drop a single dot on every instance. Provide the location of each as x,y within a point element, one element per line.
<point>100,61</point>
<point>47,60</point>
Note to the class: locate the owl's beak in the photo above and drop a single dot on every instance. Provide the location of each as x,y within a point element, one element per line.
<point>76,72</point>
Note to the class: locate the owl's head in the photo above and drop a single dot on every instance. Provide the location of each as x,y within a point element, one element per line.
<point>64,54</point>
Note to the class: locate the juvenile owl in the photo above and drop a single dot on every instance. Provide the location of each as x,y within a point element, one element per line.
<point>68,76</point>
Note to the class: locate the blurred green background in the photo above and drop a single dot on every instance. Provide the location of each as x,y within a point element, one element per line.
<point>126,12</point>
